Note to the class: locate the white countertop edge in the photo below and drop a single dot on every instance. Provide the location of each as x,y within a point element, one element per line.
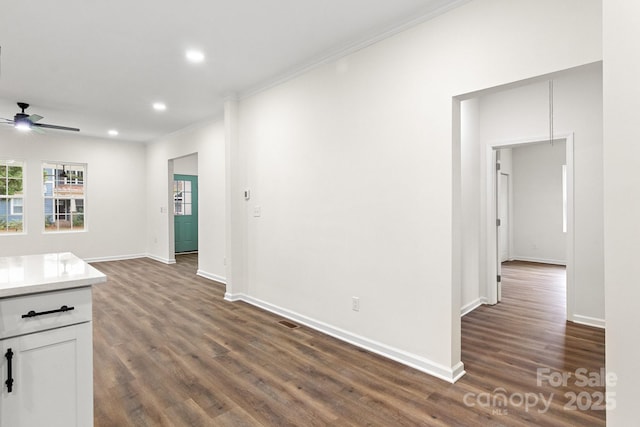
<point>32,279</point>
<point>37,288</point>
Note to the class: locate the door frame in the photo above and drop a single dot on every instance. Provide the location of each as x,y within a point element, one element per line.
<point>491,216</point>
<point>169,209</point>
<point>499,173</point>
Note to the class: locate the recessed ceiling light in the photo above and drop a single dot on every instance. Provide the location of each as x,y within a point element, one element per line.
<point>113,132</point>
<point>159,106</point>
<point>195,56</point>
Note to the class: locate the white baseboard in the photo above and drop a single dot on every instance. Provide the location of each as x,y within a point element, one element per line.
<point>233,297</point>
<point>212,276</point>
<point>449,374</point>
<point>115,258</point>
<point>589,321</point>
<point>539,260</point>
<point>162,260</point>
<point>468,308</point>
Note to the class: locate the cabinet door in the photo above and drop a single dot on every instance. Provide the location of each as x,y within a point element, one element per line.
<point>52,379</point>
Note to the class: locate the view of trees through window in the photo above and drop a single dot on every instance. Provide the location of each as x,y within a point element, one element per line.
<point>64,196</point>
<point>11,196</point>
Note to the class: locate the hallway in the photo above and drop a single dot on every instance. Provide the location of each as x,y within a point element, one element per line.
<point>505,345</point>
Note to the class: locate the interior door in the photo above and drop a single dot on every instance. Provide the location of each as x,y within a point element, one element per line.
<point>185,211</point>
<point>503,215</point>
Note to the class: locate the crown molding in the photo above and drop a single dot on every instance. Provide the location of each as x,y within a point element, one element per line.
<point>333,55</point>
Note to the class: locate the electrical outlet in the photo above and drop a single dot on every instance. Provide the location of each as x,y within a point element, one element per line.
<point>355,304</point>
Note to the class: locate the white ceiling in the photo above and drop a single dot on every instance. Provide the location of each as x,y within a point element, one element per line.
<point>100,64</point>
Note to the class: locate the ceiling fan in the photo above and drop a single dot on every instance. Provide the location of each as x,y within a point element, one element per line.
<point>24,121</point>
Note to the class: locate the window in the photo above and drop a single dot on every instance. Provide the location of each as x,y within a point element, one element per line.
<point>182,197</point>
<point>11,196</point>
<point>16,206</point>
<point>64,187</point>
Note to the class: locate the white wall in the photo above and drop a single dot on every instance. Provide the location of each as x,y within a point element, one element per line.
<point>187,165</point>
<point>352,165</point>
<point>506,160</point>
<point>470,202</point>
<point>622,205</point>
<point>208,141</point>
<point>537,203</point>
<point>114,205</point>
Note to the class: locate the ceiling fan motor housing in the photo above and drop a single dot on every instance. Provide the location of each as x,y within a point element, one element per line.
<point>22,119</point>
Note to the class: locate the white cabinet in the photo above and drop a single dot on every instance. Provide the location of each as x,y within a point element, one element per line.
<point>46,344</point>
<point>52,374</point>
<point>47,359</point>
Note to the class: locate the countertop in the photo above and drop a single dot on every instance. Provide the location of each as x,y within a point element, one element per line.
<point>29,274</point>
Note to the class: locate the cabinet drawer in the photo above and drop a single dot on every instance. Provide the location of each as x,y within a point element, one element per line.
<point>13,309</point>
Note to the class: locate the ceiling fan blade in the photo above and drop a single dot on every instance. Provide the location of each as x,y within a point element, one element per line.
<point>44,125</point>
<point>37,130</point>
<point>35,117</point>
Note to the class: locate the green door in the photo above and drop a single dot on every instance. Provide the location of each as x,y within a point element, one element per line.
<point>185,211</point>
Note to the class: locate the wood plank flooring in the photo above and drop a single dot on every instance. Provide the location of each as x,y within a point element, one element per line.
<point>169,351</point>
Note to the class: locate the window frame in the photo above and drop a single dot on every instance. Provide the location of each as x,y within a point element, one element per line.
<point>10,198</point>
<point>55,201</point>
<point>182,198</point>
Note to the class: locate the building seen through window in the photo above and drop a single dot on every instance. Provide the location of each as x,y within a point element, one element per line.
<point>64,187</point>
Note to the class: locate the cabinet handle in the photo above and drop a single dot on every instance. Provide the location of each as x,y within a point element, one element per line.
<point>9,381</point>
<point>62,309</point>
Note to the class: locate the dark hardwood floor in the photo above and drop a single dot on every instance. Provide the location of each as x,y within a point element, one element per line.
<point>169,351</point>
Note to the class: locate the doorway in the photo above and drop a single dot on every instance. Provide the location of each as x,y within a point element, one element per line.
<point>184,201</point>
<point>494,118</point>
<point>545,205</point>
<point>185,213</point>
